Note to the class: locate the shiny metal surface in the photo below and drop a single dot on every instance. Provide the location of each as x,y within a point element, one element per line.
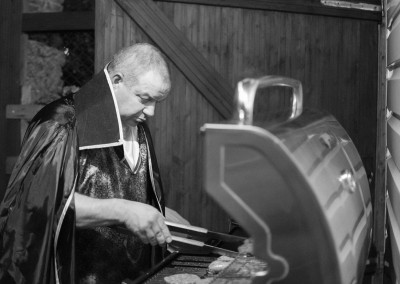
<point>393,139</point>
<point>246,92</point>
<point>193,232</point>
<point>393,210</point>
<point>393,87</point>
<point>392,13</point>
<point>393,44</point>
<point>347,180</point>
<point>299,188</point>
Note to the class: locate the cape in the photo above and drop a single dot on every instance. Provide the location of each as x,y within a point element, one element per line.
<point>37,217</point>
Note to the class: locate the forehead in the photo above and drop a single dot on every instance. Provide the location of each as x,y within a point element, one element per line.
<point>153,84</point>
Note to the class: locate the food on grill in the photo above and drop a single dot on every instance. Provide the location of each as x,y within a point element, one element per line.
<point>246,247</point>
<point>242,270</point>
<point>220,264</point>
<point>182,278</point>
<point>205,280</point>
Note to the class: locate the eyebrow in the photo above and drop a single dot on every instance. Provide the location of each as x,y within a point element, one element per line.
<point>164,96</point>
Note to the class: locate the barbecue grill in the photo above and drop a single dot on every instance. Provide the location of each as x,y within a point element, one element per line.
<point>178,262</point>
<point>296,185</point>
<point>243,269</point>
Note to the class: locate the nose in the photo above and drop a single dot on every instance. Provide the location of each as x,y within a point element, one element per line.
<point>149,109</point>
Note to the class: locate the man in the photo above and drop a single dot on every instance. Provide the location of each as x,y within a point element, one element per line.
<point>87,159</point>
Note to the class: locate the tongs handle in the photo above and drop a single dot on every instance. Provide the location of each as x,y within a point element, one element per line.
<point>203,232</point>
<point>189,243</point>
<point>185,228</point>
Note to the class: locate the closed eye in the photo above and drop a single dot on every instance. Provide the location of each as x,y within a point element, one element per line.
<point>144,98</point>
<point>144,101</point>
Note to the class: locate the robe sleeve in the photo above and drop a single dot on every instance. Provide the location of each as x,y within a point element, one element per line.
<point>36,202</point>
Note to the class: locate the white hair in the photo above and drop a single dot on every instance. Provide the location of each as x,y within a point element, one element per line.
<point>138,59</point>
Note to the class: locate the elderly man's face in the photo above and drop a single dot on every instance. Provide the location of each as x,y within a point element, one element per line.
<point>138,102</point>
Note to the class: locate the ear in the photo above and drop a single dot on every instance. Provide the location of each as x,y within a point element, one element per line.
<point>117,78</point>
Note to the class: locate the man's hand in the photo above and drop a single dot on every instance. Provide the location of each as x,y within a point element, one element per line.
<point>147,223</point>
<point>143,220</point>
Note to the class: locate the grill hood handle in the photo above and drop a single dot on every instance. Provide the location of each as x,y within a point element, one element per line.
<point>246,91</point>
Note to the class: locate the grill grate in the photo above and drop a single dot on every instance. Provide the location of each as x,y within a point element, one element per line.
<point>192,264</point>
<point>242,270</point>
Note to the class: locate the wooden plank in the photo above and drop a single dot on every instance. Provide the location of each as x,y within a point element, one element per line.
<point>10,33</point>
<point>182,53</point>
<point>113,34</point>
<point>292,6</point>
<point>119,26</point>
<point>60,21</point>
<point>366,92</point>
<point>22,111</point>
<point>379,226</point>
<point>100,33</point>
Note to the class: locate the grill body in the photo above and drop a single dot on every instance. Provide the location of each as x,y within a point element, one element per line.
<point>299,189</point>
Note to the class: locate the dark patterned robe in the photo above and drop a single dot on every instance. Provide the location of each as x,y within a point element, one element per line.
<point>103,254</point>
<point>37,217</point>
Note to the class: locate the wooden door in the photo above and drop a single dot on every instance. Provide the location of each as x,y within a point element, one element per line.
<point>211,45</point>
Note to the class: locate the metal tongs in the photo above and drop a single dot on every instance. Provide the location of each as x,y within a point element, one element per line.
<point>196,239</point>
<point>204,234</point>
